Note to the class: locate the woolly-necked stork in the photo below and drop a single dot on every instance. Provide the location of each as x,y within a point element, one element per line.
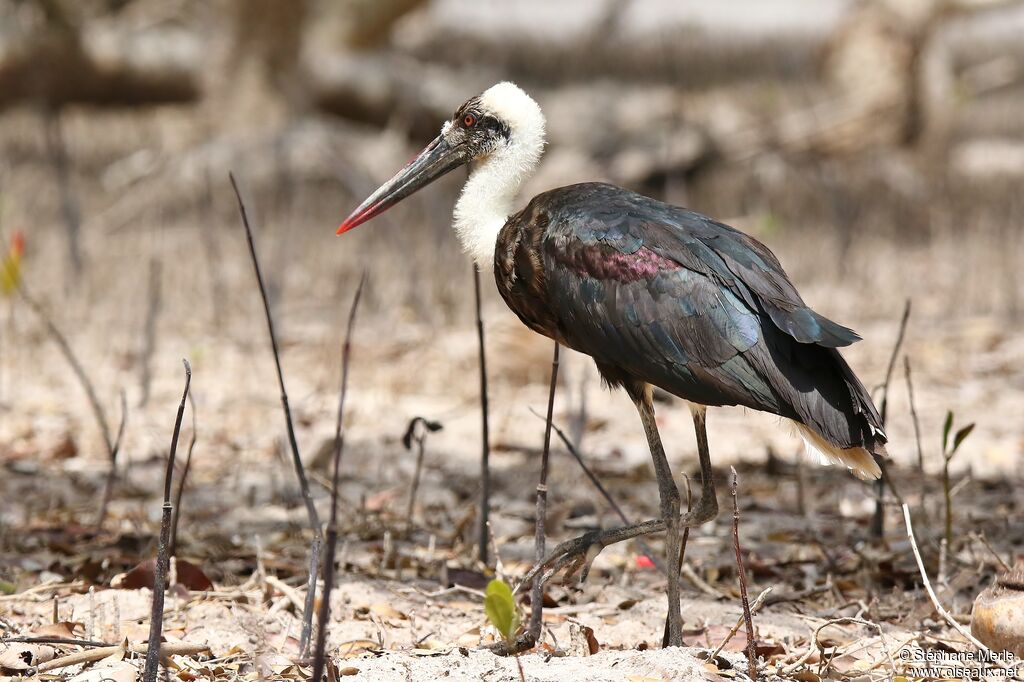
<point>658,295</point>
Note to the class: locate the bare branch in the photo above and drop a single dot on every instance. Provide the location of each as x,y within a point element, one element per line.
<point>319,658</point>
<point>156,623</point>
<point>485,466</point>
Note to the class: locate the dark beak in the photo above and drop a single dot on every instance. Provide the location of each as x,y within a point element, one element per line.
<point>436,160</point>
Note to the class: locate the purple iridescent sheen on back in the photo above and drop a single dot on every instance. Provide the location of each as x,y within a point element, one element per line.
<point>604,263</point>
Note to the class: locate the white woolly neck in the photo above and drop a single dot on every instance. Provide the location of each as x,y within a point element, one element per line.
<point>487,198</point>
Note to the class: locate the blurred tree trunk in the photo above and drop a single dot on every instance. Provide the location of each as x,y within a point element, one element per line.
<point>258,79</point>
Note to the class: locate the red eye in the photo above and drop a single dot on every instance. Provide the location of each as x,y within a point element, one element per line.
<point>469,121</point>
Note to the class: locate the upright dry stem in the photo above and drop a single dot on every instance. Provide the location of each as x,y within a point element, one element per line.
<point>878,522</point>
<point>184,477</point>
<point>163,556</point>
<point>112,443</point>
<point>149,331</point>
<point>539,538</point>
<point>741,572</point>
<point>917,428</point>
<point>485,465</point>
<point>300,471</point>
<point>320,656</point>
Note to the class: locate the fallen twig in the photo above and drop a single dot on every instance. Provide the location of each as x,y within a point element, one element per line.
<point>64,641</point>
<point>300,471</point>
<point>539,537</point>
<point>163,557</point>
<point>485,466</point>
<point>754,608</point>
<point>741,572</point>
<point>320,656</point>
<point>289,592</point>
<point>816,646</point>
<point>946,616</point>
<point>165,649</point>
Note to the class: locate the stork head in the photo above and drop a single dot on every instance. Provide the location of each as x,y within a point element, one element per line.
<point>502,125</point>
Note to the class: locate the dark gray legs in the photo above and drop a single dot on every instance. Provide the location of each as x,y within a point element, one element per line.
<point>580,552</point>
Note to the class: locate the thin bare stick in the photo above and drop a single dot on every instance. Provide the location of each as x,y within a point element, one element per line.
<point>112,444</point>
<point>816,646</point>
<point>149,331</point>
<point>878,522</point>
<point>754,608</point>
<point>916,428</point>
<point>300,471</point>
<point>617,509</point>
<point>184,477</point>
<point>883,409</point>
<point>108,485</point>
<point>320,657</point>
<point>485,456</point>
<point>980,537</point>
<point>64,641</point>
<point>306,633</point>
<point>166,649</point>
<point>741,572</point>
<point>946,616</point>
<point>539,537</point>
<point>156,622</point>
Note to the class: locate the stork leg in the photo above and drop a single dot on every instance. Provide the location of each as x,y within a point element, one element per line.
<point>577,554</point>
<point>669,495</point>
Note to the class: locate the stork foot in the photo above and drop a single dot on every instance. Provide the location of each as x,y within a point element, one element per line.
<point>578,554</point>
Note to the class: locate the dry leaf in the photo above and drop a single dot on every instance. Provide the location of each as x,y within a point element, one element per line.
<point>387,611</point>
<point>344,672</point>
<point>120,672</point>
<point>65,629</point>
<point>20,657</point>
<point>357,647</point>
<point>582,641</point>
<point>189,576</point>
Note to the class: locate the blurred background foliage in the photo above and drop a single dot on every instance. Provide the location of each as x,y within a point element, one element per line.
<point>875,142</point>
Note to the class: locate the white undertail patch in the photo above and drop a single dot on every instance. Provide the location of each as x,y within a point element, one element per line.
<point>858,460</point>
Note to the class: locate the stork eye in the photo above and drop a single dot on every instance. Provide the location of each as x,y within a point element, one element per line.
<point>469,120</point>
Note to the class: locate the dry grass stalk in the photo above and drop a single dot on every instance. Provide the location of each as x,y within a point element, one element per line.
<point>741,572</point>
<point>320,655</point>
<point>184,477</point>
<point>300,471</point>
<point>878,522</point>
<point>485,457</point>
<point>539,537</point>
<point>946,615</point>
<point>163,555</point>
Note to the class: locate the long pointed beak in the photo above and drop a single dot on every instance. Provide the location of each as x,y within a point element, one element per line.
<point>437,159</point>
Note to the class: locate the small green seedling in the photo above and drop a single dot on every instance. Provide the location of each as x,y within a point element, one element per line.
<point>947,455</point>
<point>500,607</point>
